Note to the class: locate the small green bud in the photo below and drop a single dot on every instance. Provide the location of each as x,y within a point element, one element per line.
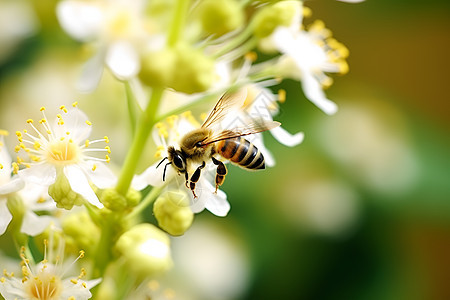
<point>173,213</point>
<point>113,200</point>
<point>133,197</point>
<point>146,250</point>
<point>194,71</point>
<point>63,194</point>
<point>158,67</point>
<point>80,232</point>
<point>270,17</point>
<point>220,16</point>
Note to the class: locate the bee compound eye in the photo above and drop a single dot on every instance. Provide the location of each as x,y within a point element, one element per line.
<point>198,144</point>
<point>178,161</point>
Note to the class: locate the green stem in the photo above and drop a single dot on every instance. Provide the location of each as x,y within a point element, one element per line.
<point>178,21</point>
<point>131,105</point>
<point>144,126</point>
<point>238,40</point>
<point>149,198</point>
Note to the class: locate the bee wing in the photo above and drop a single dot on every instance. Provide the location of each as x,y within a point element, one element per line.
<point>240,131</point>
<point>225,103</point>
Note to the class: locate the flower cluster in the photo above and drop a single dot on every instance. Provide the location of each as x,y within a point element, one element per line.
<point>175,58</point>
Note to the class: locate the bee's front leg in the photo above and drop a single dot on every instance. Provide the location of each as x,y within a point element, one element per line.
<point>221,172</point>
<point>195,177</point>
<point>186,176</point>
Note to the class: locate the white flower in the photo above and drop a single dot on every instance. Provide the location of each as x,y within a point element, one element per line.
<point>261,105</point>
<point>33,197</point>
<point>307,56</point>
<point>63,149</point>
<point>169,134</point>
<point>118,28</point>
<point>46,280</point>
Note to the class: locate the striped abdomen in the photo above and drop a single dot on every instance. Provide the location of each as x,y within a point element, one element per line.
<point>241,152</point>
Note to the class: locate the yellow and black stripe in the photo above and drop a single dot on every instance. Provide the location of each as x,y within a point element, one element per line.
<point>241,152</point>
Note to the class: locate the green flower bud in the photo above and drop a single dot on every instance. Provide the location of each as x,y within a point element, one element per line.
<point>63,194</point>
<point>146,250</point>
<point>80,232</point>
<point>133,197</point>
<point>113,200</point>
<point>158,67</point>
<point>220,16</point>
<point>270,17</point>
<point>17,209</point>
<point>194,71</point>
<point>173,213</point>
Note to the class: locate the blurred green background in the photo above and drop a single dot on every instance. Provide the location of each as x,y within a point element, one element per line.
<point>360,210</point>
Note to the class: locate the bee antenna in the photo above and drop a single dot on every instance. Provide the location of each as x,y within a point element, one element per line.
<point>161,162</point>
<point>164,173</point>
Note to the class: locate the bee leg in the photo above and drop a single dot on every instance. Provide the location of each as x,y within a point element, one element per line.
<point>221,172</point>
<point>195,177</point>
<point>186,176</point>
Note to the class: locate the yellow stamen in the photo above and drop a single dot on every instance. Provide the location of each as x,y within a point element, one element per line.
<point>75,104</point>
<point>281,95</point>
<point>29,121</point>
<point>86,143</point>
<point>108,159</point>
<point>89,123</point>
<point>251,56</point>
<point>108,149</point>
<point>94,167</point>
<point>42,108</point>
<point>4,132</point>
<point>106,139</point>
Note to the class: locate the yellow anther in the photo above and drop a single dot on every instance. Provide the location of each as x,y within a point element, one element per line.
<point>29,121</point>
<point>159,125</point>
<point>326,82</point>
<point>203,116</point>
<point>281,95</point>
<point>106,139</point>
<point>42,108</point>
<point>251,56</point>
<point>343,67</point>
<point>108,159</point>
<point>59,116</point>
<point>153,285</point>
<point>81,253</point>
<point>19,160</point>
<point>89,123</point>
<point>108,149</point>
<point>163,132</point>
<point>1,166</point>
<point>4,132</point>
<point>67,132</point>
<point>70,140</point>
<point>49,132</point>
<point>187,114</point>
<point>172,120</point>
<point>74,281</point>
<point>71,298</point>
<point>19,134</point>
<point>15,167</point>
<point>63,108</point>
<point>40,200</point>
<point>307,12</point>
<point>35,158</point>
<point>86,143</point>
<point>94,167</point>
<point>75,104</point>
<point>61,138</point>
<point>27,165</point>
<point>82,273</point>
<point>42,121</point>
<point>17,148</point>
<point>36,145</point>
<point>2,279</point>
<point>84,285</point>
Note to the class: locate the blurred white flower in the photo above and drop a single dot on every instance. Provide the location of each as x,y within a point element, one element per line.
<point>46,280</point>
<point>63,148</point>
<point>169,134</point>
<point>17,21</point>
<point>117,28</point>
<point>307,56</point>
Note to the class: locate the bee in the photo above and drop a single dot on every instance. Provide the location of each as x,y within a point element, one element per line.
<point>202,144</point>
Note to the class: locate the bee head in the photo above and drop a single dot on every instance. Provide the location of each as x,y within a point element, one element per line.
<point>177,159</point>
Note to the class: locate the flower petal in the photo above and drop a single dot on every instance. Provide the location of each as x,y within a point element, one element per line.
<point>91,73</point>
<point>43,174</point>
<point>285,138</point>
<point>215,203</point>
<point>218,204</point>
<point>75,124</point>
<point>102,177</point>
<point>79,184</point>
<point>153,176</point>
<point>33,224</point>
<point>79,19</point>
<point>313,91</point>
<point>5,216</point>
<point>123,60</point>
<point>14,185</point>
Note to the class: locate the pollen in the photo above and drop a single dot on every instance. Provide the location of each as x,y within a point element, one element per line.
<point>108,159</point>
<point>62,152</point>
<point>88,122</point>
<point>42,108</point>
<point>74,104</point>
<point>41,121</point>
<point>251,56</point>
<point>29,121</point>
<point>106,139</point>
<point>15,167</point>
<point>281,95</point>
<point>63,108</point>
<point>1,166</point>
<point>86,143</point>
<point>108,149</point>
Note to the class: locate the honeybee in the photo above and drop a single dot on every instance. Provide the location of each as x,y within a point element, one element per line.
<point>200,145</point>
